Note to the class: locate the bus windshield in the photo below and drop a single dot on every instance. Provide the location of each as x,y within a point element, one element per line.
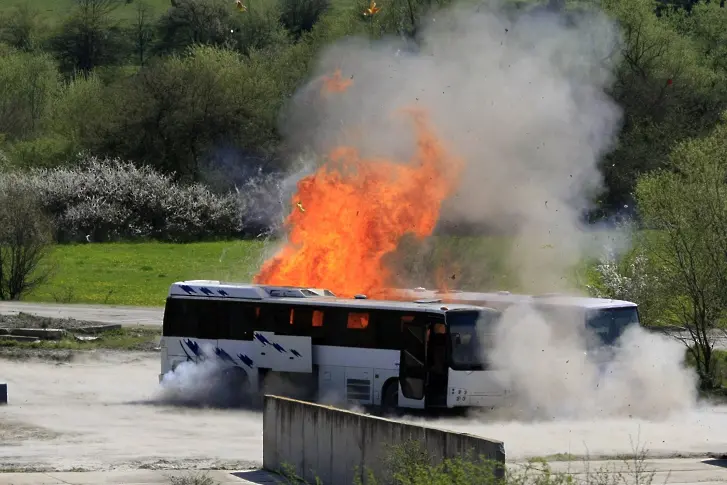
<point>610,323</point>
<point>467,330</point>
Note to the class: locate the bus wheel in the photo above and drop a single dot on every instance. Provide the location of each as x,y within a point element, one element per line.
<point>390,398</point>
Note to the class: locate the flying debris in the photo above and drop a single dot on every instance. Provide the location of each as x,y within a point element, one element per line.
<point>300,206</point>
<point>240,6</point>
<point>372,10</point>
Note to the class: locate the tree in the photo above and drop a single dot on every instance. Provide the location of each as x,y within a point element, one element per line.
<point>299,16</point>
<point>142,32</point>
<point>668,89</point>
<point>27,83</point>
<point>178,111</point>
<point>22,28</point>
<point>191,22</point>
<point>25,238</point>
<point>686,208</point>
<point>89,37</point>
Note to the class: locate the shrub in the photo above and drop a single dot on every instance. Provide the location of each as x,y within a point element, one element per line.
<point>25,235</point>
<point>114,200</point>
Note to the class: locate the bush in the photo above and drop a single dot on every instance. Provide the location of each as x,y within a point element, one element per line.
<point>111,200</point>
<point>25,235</point>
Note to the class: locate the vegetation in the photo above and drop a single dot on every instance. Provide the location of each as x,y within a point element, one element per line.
<point>139,274</point>
<point>411,464</point>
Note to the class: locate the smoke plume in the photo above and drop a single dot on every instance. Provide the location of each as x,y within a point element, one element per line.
<point>520,96</point>
<point>552,375</point>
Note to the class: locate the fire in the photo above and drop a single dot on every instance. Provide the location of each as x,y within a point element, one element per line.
<point>357,210</point>
<point>336,83</point>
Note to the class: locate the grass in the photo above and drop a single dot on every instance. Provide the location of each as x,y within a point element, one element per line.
<point>139,274</point>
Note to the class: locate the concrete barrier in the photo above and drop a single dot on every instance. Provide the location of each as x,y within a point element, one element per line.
<point>338,446</point>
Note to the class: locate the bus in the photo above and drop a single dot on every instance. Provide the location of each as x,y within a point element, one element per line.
<point>601,320</point>
<point>309,344</point>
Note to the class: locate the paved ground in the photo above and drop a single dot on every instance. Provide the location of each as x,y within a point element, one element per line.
<point>703,471</point>
<point>135,477</point>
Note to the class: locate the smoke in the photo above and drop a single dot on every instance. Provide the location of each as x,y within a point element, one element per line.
<point>520,96</point>
<point>552,375</point>
<point>203,384</point>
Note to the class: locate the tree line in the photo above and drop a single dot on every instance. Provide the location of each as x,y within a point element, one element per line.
<point>202,84</point>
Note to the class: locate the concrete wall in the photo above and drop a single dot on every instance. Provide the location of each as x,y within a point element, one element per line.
<point>329,443</point>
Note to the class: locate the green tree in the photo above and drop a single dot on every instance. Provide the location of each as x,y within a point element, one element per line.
<point>191,22</point>
<point>686,207</point>
<point>178,110</point>
<point>142,32</point>
<point>667,87</point>
<point>259,28</point>
<point>90,37</point>
<point>23,28</point>
<point>27,83</point>
<point>299,16</point>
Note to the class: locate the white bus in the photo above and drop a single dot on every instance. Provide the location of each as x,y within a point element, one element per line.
<point>602,318</point>
<point>387,354</point>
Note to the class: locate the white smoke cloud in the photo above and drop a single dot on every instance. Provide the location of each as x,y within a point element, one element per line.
<point>552,376</point>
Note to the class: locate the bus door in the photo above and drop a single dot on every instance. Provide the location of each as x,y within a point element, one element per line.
<point>437,363</point>
<point>413,363</point>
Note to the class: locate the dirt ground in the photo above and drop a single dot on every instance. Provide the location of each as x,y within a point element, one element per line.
<point>24,320</point>
<point>100,411</point>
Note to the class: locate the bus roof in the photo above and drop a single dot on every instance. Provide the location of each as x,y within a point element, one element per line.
<point>506,297</point>
<point>304,296</point>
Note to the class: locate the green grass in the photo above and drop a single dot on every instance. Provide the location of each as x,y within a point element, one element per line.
<point>127,338</point>
<point>55,11</point>
<point>140,274</point>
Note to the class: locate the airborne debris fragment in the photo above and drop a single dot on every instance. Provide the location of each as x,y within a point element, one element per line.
<point>300,206</point>
<point>240,6</point>
<point>372,10</point>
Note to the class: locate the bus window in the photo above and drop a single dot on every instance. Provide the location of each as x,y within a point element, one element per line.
<point>608,324</point>
<point>180,318</point>
<point>301,321</point>
<point>358,321</point>
<point>242,320</point>
<point>317,318</point>
<point>387,329</point>
<point>465,329</point>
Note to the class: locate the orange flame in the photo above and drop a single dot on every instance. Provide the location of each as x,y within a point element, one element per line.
<point>357,210</point>
<point>336,83</point>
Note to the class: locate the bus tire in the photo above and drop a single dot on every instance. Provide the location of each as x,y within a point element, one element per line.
<point>390,398</point>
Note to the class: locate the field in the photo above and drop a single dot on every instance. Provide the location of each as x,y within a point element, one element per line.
<point>139,274</point>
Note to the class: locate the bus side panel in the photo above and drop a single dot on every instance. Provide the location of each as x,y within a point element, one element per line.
<point>283,353</point>
<point>476,388</point>
<point>354,375</point>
